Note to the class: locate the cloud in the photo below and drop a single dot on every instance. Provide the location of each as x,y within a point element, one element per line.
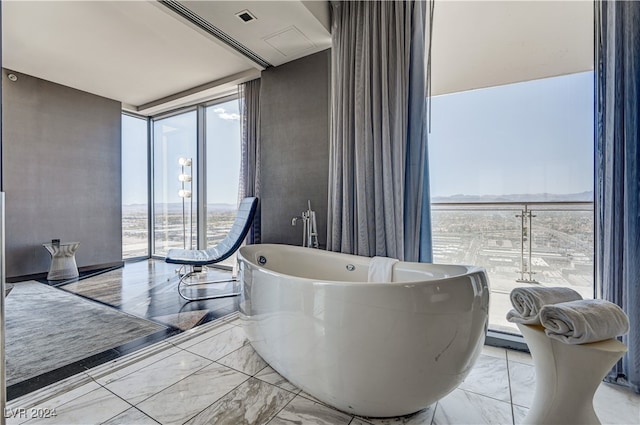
<point>225,115</point>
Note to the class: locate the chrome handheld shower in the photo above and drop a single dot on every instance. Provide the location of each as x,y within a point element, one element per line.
<point>309,227</point>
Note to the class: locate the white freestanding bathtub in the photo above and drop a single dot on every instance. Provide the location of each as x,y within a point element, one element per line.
<point>370,349</point>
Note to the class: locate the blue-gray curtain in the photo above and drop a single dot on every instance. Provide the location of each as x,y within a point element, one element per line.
<point>425,253</point>
<point>378,195</point>
<point>617,167</point>
<point>249,96</point>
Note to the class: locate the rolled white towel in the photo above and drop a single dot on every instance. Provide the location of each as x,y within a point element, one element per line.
<point>583,321</point>
<point>381,269</point>
<point>527,302</point>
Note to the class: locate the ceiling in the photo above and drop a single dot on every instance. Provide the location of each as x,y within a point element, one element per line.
<point>480,44</point>
<point>148,57</point>
<point>152,59</point>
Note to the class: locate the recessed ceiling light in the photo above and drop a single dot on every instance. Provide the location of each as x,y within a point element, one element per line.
<point>246,16</point>
<point>13,77</point>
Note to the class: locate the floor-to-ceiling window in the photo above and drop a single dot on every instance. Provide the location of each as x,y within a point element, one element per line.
<point>511,171</point>
<point>135,205</point>
<point>196,170</point>
<point>175,200</point>
<point>222,137</point>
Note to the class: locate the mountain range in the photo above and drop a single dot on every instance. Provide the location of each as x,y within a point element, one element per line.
<point>535,197</point>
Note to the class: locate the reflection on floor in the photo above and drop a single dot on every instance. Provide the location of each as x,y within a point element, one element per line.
<point>67,342</point>
<point>211,375</point>
<point>147,289</point>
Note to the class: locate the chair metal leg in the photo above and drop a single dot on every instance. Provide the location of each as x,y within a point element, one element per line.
<point>182,282</point>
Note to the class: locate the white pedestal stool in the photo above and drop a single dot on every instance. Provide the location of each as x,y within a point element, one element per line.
<point>567,377</point>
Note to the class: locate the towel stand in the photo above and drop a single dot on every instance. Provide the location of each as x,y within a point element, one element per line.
<point>567,376</point>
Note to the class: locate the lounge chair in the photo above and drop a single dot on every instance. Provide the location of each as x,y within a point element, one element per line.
<point>197,258</point>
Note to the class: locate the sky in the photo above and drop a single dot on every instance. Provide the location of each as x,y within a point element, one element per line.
<point>223,156</point>
<point>134,160</point>
<point>175,137</point>
<point>524,138</point>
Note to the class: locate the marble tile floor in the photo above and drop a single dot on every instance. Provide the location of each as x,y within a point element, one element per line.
<point>146,289</point>
<point>47,329</point>
<point>210,375</point>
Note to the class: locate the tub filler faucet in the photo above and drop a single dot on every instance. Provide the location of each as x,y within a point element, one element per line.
<point>309,228</point>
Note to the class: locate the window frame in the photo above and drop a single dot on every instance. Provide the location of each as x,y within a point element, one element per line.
<point>148,177</point>
<point>200,160</point>
<point>152,185</point>
<point>202,188</point>
<point>495,336</point>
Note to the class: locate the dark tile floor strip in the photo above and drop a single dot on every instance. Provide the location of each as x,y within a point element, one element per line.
<point>83,275</point>
<point>41,381</point>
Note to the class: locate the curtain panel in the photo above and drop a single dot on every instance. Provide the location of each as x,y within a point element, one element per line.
<point>378,143</point>
<point>249,96</point>
<point>617,170</point>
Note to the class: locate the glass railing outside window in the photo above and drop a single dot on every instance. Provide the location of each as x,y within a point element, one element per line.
<point>519,244</point>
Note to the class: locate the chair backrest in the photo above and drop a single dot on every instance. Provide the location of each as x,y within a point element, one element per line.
<point>231,243</point>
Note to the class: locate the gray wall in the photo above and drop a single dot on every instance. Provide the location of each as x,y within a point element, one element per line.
<point>61,173</point>
<point>294,132</point>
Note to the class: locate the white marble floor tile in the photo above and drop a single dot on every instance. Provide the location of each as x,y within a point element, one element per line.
<point>304,411</point>
<point>312,398</point>
<point>523,383</point>
<point>519,413</point>
<point>489,378</point>
<point>245,359</point>
<point>423,417</point>
<point>183,400</point>
<point>463,407</point>
<point>92,408</point>
<point>15,417</point>
<point>59,392</point>
<point>125,366</point>
<point>152,379</point>
<point>519,356</point>
<point>130,417</point>
<point>253,403</point>
<point>274,378</point>
<point>615,404</point>
<point>498,352</point>
<point>221,344</point>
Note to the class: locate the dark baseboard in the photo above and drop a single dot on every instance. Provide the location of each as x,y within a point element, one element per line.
<point>81,270</point>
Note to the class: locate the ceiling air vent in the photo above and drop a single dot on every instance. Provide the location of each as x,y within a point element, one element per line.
<point>245,16</point>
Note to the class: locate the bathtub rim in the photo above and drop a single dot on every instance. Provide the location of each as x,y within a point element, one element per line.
<point>470,270</point>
